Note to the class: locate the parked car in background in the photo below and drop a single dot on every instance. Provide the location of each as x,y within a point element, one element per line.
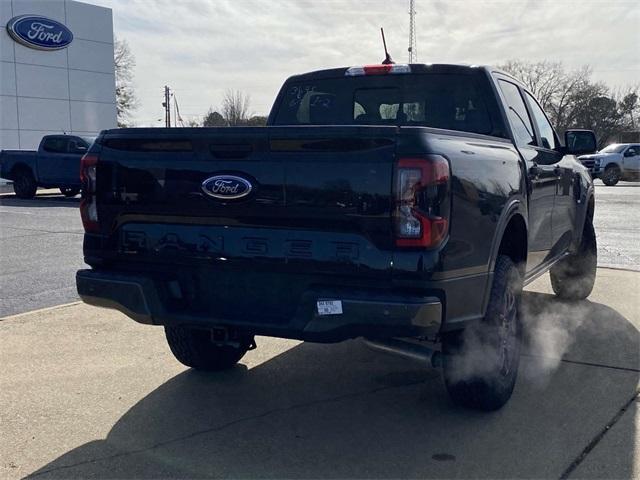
<point>381,201</point>
<point>56,164</point>
<point>618,161</point>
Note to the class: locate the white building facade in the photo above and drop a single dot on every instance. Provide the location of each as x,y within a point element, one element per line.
<point>62,90</point>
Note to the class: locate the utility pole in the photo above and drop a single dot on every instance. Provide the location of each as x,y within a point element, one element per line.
<point>167,107</point>
<point>413,49</point>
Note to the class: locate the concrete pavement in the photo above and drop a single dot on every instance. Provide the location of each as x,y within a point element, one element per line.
<point>88,393</point>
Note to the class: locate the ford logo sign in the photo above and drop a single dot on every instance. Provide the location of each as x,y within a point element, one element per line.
<point>40,33</point>
<point>227,187</point>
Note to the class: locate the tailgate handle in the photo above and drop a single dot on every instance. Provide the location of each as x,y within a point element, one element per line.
<point>231,151</point>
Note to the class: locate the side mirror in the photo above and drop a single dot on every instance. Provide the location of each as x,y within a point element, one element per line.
<point>580,142</point>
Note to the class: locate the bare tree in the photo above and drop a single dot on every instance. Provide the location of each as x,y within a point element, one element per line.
<point>629,103</point>
<point>235,107</point>
<point>554,87</point>
<point>545,79</point>
<point>124,62</point>
<point>572,99</point>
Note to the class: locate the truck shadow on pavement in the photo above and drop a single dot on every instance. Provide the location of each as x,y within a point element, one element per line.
<point>342,411</point>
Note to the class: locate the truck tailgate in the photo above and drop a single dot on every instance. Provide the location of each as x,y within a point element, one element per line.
<point>321,198</point>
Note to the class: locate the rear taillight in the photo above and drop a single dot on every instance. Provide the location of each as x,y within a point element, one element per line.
<point>421,210</point>
<point>88,207</point>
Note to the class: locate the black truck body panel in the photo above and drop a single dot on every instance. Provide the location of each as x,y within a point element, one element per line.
<point>318,225</point>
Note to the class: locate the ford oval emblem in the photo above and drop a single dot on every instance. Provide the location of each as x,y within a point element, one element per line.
<point>38,32</point>
<point>227,187</point>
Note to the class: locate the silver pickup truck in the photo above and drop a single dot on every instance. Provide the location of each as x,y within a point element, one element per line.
<point>618,161</point>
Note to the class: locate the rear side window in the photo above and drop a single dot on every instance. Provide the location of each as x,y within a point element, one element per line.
<point>449,101</point>
<point>547,137</point>
<point>77,145</point>
<point>55,145</point>
<point>517,112</point>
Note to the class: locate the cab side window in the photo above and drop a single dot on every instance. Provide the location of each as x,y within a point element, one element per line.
<point>77,146</point>
<point>547,136</point>
<point>518,116</point>
<point>55,145</point>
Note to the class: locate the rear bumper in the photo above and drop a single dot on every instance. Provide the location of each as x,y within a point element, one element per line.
<point>364,313</point>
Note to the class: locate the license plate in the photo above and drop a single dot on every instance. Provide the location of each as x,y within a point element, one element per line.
<point>329,307</point>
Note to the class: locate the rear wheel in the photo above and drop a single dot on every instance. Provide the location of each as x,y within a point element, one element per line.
<point>611,175</point>
<point>24,185</point>
<point>69,191</point>
<point>573,277</point>
<point>195,348</point>
<point>480,363</point>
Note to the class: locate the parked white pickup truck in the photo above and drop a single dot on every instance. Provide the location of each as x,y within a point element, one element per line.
<point>618,161</point>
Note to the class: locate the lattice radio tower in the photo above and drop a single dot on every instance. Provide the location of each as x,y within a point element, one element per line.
<point>413,49</point>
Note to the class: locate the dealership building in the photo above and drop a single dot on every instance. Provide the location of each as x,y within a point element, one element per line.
<point>57,71</point>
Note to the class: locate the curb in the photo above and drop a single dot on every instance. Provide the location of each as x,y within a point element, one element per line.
<point>621,269</point>
<point>39,310</point>
<point>6,191</point>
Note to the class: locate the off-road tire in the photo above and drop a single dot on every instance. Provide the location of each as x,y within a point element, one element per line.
<point>611,175</point>
<point>194,348</point>
<point>480,363</point>
<point>69,192</point>
<point>24,185</point>
<point>573,277</point>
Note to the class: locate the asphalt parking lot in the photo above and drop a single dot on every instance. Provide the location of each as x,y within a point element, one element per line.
<point>87,393</point>
<point>40,251</point>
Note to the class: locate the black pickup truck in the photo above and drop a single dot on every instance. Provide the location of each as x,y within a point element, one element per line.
<point>399,203</point>
<point>56,164</point>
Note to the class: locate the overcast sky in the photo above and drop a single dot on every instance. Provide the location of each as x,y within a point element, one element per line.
<point>201,48</point>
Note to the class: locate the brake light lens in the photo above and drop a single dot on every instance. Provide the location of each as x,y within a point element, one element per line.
<point>88,206</point>
<point>88,172</point>
<point>382,69</point>
<point>421,211</point>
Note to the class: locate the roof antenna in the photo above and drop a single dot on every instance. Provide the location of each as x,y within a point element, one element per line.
<point>387,58</point>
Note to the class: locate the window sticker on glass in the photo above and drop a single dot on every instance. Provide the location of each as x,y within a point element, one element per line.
<point>297,93</point>
<point>329,307</point>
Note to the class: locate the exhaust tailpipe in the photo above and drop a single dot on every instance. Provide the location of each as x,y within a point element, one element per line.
<point>407,349</point>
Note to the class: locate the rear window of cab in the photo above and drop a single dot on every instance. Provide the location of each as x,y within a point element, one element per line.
<point>447,101</point>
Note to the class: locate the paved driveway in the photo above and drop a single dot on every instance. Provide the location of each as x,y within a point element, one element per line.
<point>87,393</point>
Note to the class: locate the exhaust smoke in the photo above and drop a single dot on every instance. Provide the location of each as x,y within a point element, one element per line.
<point>547,329</point>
